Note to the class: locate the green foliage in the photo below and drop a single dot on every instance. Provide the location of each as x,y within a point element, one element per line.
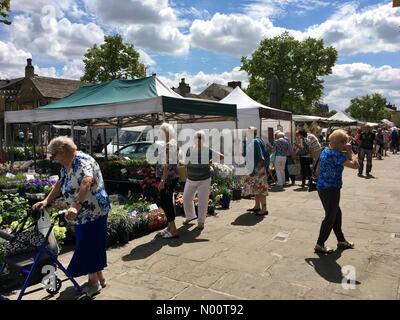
<point>135,203</point>
<point>5,9</point>
<point>2,250</point>
<point>22,153</point>
<point>12,208</point>
<point>111,170</point>
<point>112,60</point>
<point>16,182</point>
<point>224,191</point>
<point>331,113</point>
<point>6,167</point>
<point>370,108</point>
<point>48,166</point>
<point>299,67</point>
<point>121,227</point>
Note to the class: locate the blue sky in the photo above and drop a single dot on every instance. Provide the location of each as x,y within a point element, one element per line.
<point>203,40</point>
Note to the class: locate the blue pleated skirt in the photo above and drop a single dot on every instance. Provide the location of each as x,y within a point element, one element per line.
<point>90,249</point>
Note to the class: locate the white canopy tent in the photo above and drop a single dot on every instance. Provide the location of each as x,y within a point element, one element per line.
<point>251,113</point>
<point>343,117</point>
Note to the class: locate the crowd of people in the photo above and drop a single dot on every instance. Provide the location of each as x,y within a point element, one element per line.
<point>82,186</point>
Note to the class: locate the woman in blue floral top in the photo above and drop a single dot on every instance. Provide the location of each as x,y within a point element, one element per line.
<point>332,162</point>
<point>81,184</point>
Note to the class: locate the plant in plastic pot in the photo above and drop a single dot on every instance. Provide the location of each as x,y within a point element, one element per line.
<point>38,188</point>
<point>225,197</point>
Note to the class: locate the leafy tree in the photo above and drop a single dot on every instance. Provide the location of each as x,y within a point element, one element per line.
<point>5,11</point>
<point>331,113</point>
<point>370,108</point>
<point>299,65</point>
<point>112,60</point>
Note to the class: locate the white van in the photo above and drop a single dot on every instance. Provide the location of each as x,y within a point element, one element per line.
<point>126,136</point>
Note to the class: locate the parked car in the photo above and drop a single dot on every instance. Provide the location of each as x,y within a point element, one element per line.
<point>134,150</point>
<point>127,136</point>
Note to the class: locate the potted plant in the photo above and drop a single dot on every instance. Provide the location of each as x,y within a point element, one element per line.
<point>179,211</point>
<point>237,191</point>
<point>225,197</point>
<point>211,207</point>
<point>38,188</point>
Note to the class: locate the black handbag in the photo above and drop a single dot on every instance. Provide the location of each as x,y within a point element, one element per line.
<point>312,183</point>
<point>24,242</point>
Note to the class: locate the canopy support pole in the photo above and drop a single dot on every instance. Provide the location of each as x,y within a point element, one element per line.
<point>105,143</point>
<point>118,126</point>
<point>91,141</point>
<point>34,136</point>
<point>72,130</point>
<point>12,145</point>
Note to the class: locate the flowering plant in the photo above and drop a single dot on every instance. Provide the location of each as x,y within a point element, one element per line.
<point>156,219</point>
<point>223,174</point>
<point>39,185</point>
<point>140,172</point>
<point>179,200</point>
<point>150,188</point>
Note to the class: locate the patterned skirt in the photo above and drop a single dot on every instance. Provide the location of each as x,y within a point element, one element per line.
<point>256,184</point>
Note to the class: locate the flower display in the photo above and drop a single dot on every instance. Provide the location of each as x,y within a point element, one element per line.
<point>39,185</point>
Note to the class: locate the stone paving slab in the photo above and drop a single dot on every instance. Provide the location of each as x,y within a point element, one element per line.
<point>236,256</point>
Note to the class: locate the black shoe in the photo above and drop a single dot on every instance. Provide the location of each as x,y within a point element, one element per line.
<point>254,210</point>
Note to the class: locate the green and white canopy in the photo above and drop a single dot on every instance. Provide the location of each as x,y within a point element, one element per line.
<point>125,103</point>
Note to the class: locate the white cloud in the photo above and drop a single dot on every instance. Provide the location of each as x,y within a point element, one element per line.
<point>30,7</point>
<point>146,59</point>
<point>357,79</point>
<point>233,34</point>
<point>132,11</point>
<point>375,29</point>
<point>57,39</point>
<point>151,24</point>
<point>12,61</point>
<point>73,70</point>
<point>270,8</point>
<point>165,40</point>
<point>200,81</point>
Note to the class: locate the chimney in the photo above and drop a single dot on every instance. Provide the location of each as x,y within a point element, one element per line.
<point>184,88</point>
<point>29,69</point>
<point>234,84</point>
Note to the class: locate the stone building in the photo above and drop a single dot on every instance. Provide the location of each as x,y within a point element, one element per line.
<point>31,92</point>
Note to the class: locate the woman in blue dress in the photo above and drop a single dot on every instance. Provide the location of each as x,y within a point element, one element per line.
<point>81,184</point>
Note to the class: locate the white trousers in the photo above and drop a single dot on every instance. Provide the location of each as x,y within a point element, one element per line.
<point>280,163</point>
<point>202,188</point>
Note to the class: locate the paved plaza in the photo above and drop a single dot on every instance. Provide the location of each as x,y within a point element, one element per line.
<point>241,256</point>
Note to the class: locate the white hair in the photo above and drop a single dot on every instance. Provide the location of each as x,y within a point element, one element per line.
<point>168,130</point>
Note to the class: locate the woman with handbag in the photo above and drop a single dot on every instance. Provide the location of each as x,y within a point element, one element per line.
<point>332,162</point>
<point>304,155</point>
<point>257,163</point>
<point>167,174</point>
<point>81,184</point>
